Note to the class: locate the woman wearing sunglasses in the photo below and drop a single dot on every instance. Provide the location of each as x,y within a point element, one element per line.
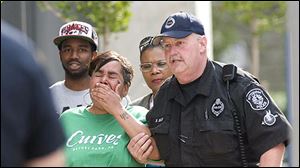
<point>154,69</point>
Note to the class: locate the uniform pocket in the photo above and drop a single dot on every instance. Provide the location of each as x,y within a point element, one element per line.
<point>161,136</point>
<point>215,137</point>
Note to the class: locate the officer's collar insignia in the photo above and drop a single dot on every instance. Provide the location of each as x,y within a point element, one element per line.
<point>257,99</point>
<point>269,118</point>
<point>218,107</point>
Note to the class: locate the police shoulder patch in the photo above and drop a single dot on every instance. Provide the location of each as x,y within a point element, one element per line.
<point>269,119</point>
<point>257,99</point>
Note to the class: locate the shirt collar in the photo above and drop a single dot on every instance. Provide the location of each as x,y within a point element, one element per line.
<point>203,85</point>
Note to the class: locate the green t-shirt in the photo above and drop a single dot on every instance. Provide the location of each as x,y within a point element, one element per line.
<point>98,140</point>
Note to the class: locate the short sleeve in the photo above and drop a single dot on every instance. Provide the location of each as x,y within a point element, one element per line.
<point>138,112</point>
<point>266,125</point>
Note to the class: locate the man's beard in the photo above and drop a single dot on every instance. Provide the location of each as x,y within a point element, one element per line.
<point>76,75</point>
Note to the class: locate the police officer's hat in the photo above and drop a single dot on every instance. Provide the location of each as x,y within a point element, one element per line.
<point>179,25</point>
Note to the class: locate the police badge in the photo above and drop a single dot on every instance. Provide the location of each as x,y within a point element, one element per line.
<point>218,107</point>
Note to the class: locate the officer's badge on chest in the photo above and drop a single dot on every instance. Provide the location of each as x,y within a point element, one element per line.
<point>218,107</point>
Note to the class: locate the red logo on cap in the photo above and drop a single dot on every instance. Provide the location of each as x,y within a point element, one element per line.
<point>71,29</point>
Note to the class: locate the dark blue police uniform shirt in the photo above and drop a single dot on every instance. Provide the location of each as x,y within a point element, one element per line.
<point>193,124</point>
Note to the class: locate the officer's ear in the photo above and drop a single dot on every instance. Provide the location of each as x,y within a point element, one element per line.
<point>203,40</point>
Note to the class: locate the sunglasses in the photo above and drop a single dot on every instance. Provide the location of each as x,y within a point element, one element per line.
<point>145,43</point>
<point>147,67</point>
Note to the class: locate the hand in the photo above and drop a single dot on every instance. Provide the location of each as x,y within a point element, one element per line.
<point>140,147</point>
<point>104,97</point>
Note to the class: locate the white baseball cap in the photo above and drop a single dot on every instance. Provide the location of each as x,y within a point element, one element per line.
<point>77,29</point>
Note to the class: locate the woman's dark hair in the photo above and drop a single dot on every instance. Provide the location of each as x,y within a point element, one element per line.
<point>105,57</point>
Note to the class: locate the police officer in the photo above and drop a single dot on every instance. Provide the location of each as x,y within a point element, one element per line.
<point>198,119</point>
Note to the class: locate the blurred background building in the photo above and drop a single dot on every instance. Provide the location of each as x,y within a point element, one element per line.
<point>279,60</point>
